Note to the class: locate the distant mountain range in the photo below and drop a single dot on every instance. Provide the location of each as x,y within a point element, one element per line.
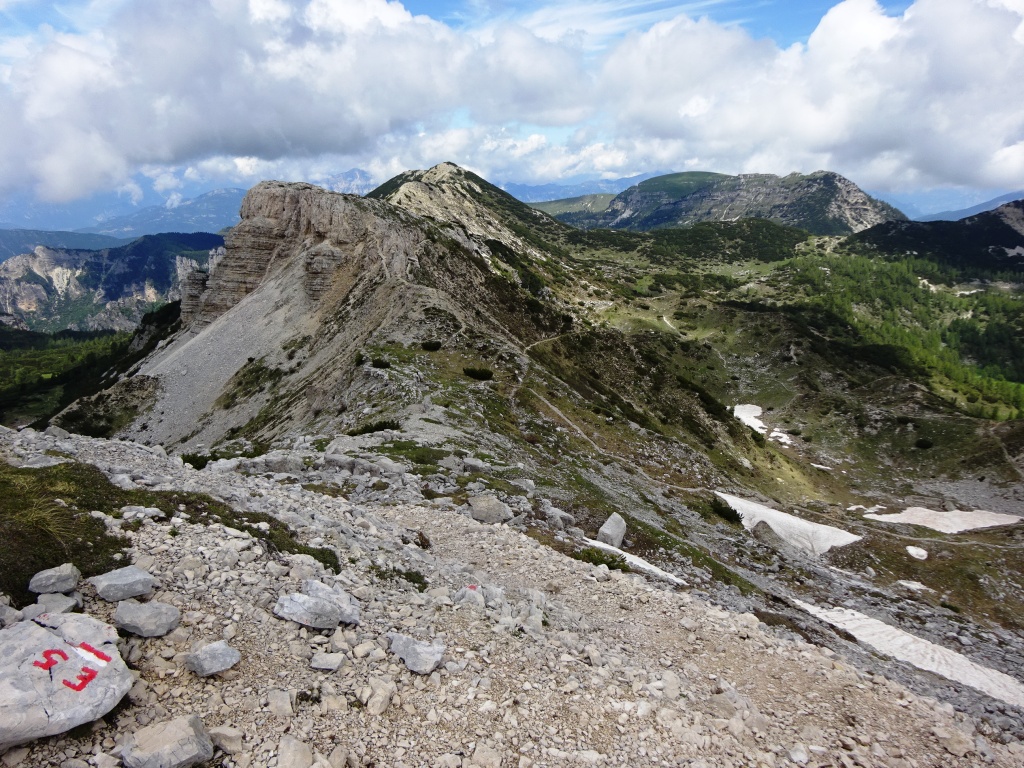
<point>963,213</point>
<point>542,192</point>
<point>210,212</point>
<point>823,203</point>
<point>15,241</point>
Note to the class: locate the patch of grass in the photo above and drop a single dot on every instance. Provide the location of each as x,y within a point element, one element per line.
<point>391,573</point>
<point>596,556</point>
<point>253,377</point>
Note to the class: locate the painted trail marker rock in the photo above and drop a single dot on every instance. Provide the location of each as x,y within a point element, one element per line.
<point>56,673</point>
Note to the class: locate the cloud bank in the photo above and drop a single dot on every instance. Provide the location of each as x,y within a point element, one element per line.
<point>242,89</point>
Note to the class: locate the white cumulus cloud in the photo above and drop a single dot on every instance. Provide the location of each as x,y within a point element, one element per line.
<point>237,89</point>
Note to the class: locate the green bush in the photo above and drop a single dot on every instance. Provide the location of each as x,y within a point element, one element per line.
<point>377,426</point>
<point>431,346</point>
<point>380,362</point>
<point>480,374</point>
<point>596,556</point>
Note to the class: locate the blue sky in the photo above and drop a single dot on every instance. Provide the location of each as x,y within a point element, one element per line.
<point>922,101</point>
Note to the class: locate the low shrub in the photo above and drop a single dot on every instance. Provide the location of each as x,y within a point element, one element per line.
<point>480,374</point>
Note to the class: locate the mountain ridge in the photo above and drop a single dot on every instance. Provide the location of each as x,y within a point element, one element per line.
<point>823,203</point>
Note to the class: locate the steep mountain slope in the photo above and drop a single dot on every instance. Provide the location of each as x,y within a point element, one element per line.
<point>17,241</point>
<point>823,203</point>
<point>209,212</point>
<point>110,288</point>
<point>483,353</point>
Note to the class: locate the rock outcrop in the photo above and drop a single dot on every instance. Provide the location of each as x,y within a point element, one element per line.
<point>57,672</point>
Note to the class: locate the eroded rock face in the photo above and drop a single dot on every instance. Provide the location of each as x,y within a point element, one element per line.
<point>56,673</point>
<point>283,222</point>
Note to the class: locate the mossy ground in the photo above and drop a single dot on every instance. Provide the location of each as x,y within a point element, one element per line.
<point>45,521</point>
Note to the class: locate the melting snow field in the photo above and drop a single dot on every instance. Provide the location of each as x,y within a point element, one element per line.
<point>637,563</point>
<point>921,653</point>
<point>751,416</point>
<point>813,538</point>
<point>956,521</point>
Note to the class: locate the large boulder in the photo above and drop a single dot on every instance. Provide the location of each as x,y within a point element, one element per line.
<point>177,743</point>
<point>613,530</point>
<point>56,673</point>
<point>489,509</point>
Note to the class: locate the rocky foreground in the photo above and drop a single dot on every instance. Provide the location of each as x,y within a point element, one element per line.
<point>512,654</point>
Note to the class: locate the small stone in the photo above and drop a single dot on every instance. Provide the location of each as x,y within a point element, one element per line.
<point>9,616</point>
<point>292,753</point>
<point>213,658</point>
<point>123,583</point>
<point>330,662</point>
<point>279,702</point>
<point>954,741</point>
<point>63,578</point>
<point>175,743</point>
<point>152,619</point>
<point>382,691</point>
<point>15,757</point>
<point>798,754</point>
<point>613,530</point>
<point>227,739</point>
<point>420,657</point>
<point>485,757</point>
<point>57,602</point>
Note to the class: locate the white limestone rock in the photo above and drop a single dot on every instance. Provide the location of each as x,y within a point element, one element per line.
<point>56,673</point>
<point>152,619</point>
<point>123,583</point>
<point>63,578</point>
<point>347,605</point>
<point>316,612</point>
<point>489,509</point>
<point>613,530</point>
<point>420,657</point>
<point>177,743</point>
<point>213,658</point>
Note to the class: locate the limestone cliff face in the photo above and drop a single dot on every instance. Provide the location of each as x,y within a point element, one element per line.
<point>111,288</point>
<point>322,231</point>
<point>821,202</point>
<point>308,279</point>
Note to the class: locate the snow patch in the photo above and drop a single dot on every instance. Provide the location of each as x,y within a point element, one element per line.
<point>636,563</point>
<point>956,521</point>
<point>822,467</point>
<point>813,538</point>
<point>921,653</point>
<point>917,586</point>
<point>751,416</point>
<point>917,553</point>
